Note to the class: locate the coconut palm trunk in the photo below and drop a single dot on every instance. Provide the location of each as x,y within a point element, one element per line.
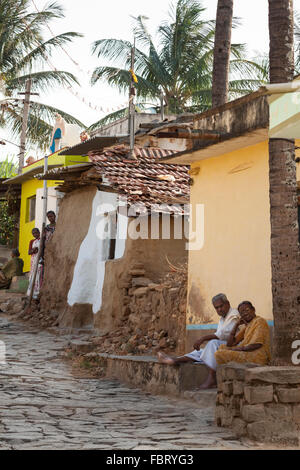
<point>222,51</point>
<point>283,196</point>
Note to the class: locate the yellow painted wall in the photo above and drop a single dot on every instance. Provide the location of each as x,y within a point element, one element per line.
<point>236,257</point>
<point>29,189</point>
<point>56,159</point>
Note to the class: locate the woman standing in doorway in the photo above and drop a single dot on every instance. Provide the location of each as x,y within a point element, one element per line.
<point>50,228</point>
<point>33,251</point>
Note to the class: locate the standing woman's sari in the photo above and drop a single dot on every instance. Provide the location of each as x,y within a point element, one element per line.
<point>49,231</point>
<point>39,275</point>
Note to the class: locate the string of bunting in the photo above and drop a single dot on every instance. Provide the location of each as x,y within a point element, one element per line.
<point>70,89</point>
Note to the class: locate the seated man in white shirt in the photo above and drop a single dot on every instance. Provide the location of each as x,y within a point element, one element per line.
<point>229,318</point>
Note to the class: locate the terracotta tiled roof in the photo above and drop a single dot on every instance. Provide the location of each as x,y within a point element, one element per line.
<point>143,180</point>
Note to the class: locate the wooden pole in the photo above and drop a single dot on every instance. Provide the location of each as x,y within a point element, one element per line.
<point>162,111</point>
<point>132,105</point>
<point>24,124</point>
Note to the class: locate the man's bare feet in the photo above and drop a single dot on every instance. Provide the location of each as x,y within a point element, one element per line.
<point>164,359</point>
<point>210,382</point>
<point>208,385</point>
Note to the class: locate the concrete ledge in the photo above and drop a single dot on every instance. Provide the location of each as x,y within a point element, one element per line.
<point>147,373</point>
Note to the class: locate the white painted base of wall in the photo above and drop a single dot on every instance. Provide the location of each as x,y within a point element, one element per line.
<point>89,271</point>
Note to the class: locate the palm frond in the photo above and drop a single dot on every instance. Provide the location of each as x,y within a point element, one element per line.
<point>22,49</point>
<point>44,50</point>
<point>38,131</point>
<point>121,79</point>
<point>43,81</point>
<point>48,114</point>
<point>181,64</point>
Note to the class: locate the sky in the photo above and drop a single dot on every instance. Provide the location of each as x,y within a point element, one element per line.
<point>98,19</point>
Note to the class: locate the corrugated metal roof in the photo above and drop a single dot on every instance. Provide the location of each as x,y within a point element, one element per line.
<point>29,174</point>
<point>95,143</point>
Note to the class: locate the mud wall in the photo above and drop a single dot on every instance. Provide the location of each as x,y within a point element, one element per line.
<point>61,255</point>
<point>145,259</point>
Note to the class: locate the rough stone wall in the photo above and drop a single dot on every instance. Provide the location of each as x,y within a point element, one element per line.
<point>152,314</point>
<point>262,403</point>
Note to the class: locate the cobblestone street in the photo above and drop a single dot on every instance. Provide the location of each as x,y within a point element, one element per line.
<point>43,406</point>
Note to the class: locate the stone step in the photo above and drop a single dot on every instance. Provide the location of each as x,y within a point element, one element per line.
<point>147,373</point>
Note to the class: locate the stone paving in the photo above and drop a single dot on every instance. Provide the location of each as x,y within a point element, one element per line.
<point>43,406</point>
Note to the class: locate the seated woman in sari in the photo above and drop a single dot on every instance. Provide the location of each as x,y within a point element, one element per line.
<point>12,268</point>
<point>251,343</point>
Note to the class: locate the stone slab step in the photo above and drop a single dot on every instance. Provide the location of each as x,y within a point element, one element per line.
<point>147,373</point>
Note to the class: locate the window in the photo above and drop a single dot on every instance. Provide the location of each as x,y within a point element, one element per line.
<point>113,222</point>
<point>31,203</point>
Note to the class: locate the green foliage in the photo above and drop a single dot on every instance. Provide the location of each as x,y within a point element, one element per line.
<point>7,224</point>
<point>180,64</point>
<point>23,49</point>
<point>8,168</point>
<point>9,207</point>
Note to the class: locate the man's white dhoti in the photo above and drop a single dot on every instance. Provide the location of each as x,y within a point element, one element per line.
<point>207,355</point>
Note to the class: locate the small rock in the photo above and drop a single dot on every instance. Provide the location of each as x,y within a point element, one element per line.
<point>141,282</point>
<point>140,291</point>
<point>137,272</point>
<point>162,333</point>
<point>163,343</point>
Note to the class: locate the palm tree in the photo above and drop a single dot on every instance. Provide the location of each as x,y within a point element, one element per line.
<point>23,50</point>
<point>180,66</point>
<point>283,195</point>
<point>222,52</point>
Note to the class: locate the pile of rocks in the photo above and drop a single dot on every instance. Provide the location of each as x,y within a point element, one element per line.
<point>129,341</point>
<point>38,317</point>
<point>16,304</point>
<point>262,403</point>
<point>153,316</point>
<point>12,304</point>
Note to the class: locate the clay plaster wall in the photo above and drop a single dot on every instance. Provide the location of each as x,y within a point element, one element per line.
<point>147,255</point>
<point>62,254</point>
